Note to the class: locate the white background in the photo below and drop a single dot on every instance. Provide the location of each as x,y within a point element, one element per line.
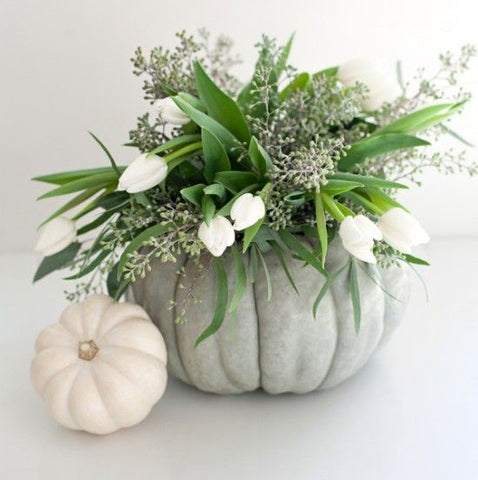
<point>65,70</point>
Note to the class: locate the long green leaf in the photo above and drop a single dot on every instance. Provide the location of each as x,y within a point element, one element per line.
<point>220,106</point>
<point>57,261</point>
<point>303,253</point>
<point>280,257</point>
<point>325,287</point>
<point>300,82</point>
<point>74,202</point>
<point>100,180</point>
<point>266,273</point>
<point>259,157</point>
<point>284,56</point>
<point>377,145</point>
<point>205,121</point>
<point>221,302</point>
<point>208,208</point>
<point>367,181</point>
<point>215,155</point>
<point>108,154</point>
<point>97,222</point>
<point>336,187</point>
<point>321,226</point>
<point>421,119</point>
<point>355,295</point>
<point>138,242</point>
<point>250,233</point>
<point>175,142</point>
<point>90,267</point>
<point>240,282</point>
<point>61,178</point>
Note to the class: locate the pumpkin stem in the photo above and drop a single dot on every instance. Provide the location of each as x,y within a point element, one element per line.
<point>87,350</point>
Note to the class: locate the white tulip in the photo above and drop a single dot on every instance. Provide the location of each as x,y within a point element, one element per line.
<point>217,236</point>
<point>143,173</point>
<point>380,81</point>
<point>357,234</point>
<point>55,236</point>
<point>169,112</point>
<point>247,210</point>
<point>401,230</point>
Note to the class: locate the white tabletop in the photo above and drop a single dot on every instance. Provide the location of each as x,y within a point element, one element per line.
<point>411,413</point>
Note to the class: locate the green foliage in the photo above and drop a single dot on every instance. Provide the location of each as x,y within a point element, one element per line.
<point>298,140</point>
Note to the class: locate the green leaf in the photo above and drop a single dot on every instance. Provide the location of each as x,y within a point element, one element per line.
<point>175,142</point>
<point>355,295</point>
<point>138,241</point>
<point>208,209</point>
<point>253,264</point>
<point>365,202</point>
<point>332,206</point>
<point>259,157</point>
<point>205,121</point>
<point>422,119</point>
<point>216,189</point>
<point>108,154</point>
<point>381,199</point>
<point>57,261</point>
<point>325,287</point>
<point>220,106</point>
<point>112,200</point>
<point>112,282</point>
<point>284,56</point>
<point>240,282</point>
<point>74,202</point>
<point>221,302</point>
<point>266,273</point>
<point>235,181</point>
<point>336,187</point>
<point>300,82</point>
<point>327,72</point>
<point>367,181</point>
<point>377,145</point>
<point>66,177</point>
<point>302,252</point>
<point>280,257</point>
<point>250,233</point>
<point>215,155</point>
<point>457,136</point>
<point>416,260</point>
<point>99,181</point>
<point>90,267</point>
<point>321,226</point>
<point>194,194</point>
<point>122,287</point>
<point>97,222</point>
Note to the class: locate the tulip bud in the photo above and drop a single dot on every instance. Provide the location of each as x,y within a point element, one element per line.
<point>217,236</point>
<point>381,85</point>
<point>357,234</point>
<point>401,230</point>
<point>169,112</point>
<point>55,236</point>
<point>143,173</point>
<point>247,210</point>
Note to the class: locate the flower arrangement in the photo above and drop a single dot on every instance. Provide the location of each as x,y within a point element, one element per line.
<point>255,168</point>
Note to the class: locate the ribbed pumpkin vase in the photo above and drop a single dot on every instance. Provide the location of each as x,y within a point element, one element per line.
<point>275,345</point>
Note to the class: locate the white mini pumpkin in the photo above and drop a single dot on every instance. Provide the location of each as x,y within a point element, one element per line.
<point>102,367</point>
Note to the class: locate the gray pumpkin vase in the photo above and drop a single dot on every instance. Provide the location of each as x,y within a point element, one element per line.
<point>275,345</point>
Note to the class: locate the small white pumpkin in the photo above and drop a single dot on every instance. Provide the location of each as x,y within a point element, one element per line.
<point>102,367</point>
